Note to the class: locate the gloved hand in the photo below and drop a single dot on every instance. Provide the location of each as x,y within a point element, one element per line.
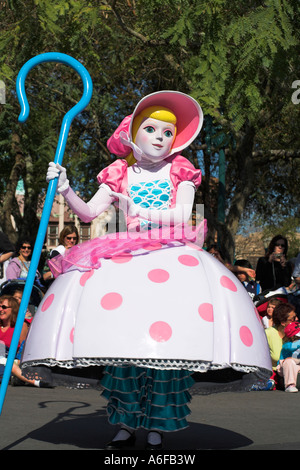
<point>54,171</point>
<point>126,204</point>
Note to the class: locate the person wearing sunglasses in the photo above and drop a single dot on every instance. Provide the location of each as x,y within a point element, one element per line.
<point>9,308</point>
<point>19,265</point>
<point>68,237</point>
<point>273,270</point>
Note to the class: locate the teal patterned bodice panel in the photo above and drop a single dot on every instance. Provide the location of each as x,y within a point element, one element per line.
<point>151,195</point>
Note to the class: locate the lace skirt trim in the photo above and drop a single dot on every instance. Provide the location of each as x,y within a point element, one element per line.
<point>163,364</point>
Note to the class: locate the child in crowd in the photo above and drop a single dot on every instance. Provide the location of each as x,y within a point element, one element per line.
<point>289,361</point>
<point>252,287</point>
<point>267,320</point>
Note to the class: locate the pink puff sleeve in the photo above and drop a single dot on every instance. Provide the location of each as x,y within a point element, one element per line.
<point>115,176</point>
<point>114,144</point>
<point>183,170</point>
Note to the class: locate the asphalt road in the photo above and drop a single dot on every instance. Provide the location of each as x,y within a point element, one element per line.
<point>75,419</point>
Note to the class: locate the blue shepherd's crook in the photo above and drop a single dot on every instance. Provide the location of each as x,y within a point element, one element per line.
<point>67,120</point>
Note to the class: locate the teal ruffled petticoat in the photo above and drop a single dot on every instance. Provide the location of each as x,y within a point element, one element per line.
<point>147,398</point>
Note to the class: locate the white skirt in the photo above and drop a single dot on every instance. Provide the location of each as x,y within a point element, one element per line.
<point>168,306</point>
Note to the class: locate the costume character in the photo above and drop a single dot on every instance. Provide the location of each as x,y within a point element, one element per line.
<point>149,304</point>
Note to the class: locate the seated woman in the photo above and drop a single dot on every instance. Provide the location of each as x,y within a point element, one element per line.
<point>283,315</point>
<point>9,308</point>
<point>274,270</point>
<point>18,266</point>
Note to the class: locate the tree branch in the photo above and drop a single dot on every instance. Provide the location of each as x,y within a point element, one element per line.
<point>132,32</point>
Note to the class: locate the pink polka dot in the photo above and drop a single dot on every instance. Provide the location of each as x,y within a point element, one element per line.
<point>160,331</point>
<point>246,336</point>
<point>228,283</point>
<point>111,301</point>
<point>85,277</point>
<point>206,312</point>
<point>188,260</point>
<point>158,275</point>
<point>123,258</point>
<point>48,301</point>
<point>72,336</point>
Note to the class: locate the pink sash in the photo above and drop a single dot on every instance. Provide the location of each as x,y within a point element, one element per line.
<point>86,256</point>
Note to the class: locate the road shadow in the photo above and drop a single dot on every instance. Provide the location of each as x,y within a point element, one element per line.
<point>90,431</point>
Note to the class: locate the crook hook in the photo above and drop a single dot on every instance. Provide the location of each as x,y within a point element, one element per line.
<point>68,118</point>
<point>66,123</point>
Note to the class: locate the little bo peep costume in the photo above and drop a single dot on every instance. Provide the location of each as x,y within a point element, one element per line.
<point>149,304</point>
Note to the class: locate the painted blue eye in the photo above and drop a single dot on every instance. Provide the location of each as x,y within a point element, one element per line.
<point>168,133</point>
<point>149,129</point>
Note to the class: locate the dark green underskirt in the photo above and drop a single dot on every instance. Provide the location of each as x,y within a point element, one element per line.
<point>147,398</point>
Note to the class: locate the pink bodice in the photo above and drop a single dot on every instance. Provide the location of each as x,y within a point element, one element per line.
<point>115,175</point>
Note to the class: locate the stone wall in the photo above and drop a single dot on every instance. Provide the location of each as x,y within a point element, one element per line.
<point>250,248</point>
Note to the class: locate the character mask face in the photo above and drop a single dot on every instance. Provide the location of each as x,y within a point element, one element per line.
<point>155,138</point>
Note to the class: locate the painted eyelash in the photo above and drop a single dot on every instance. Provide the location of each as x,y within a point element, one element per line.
<point>166,130</point>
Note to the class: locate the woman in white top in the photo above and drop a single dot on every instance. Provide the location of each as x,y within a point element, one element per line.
<point>68,237</point>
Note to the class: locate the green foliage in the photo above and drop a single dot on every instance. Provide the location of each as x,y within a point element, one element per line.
<point>238,59</point>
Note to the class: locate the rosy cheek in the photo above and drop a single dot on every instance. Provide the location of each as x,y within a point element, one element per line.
<point>144,139</point>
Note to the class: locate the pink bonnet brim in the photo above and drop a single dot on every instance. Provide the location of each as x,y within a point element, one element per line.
<point>189,120</point>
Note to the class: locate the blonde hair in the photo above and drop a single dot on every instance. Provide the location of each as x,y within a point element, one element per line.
<point>155,112</point>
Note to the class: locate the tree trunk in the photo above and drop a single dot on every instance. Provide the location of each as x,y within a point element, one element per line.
<point>243,189</point>
<point>226,231</point>
<point>9,197</point>
<point>30,222</point>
